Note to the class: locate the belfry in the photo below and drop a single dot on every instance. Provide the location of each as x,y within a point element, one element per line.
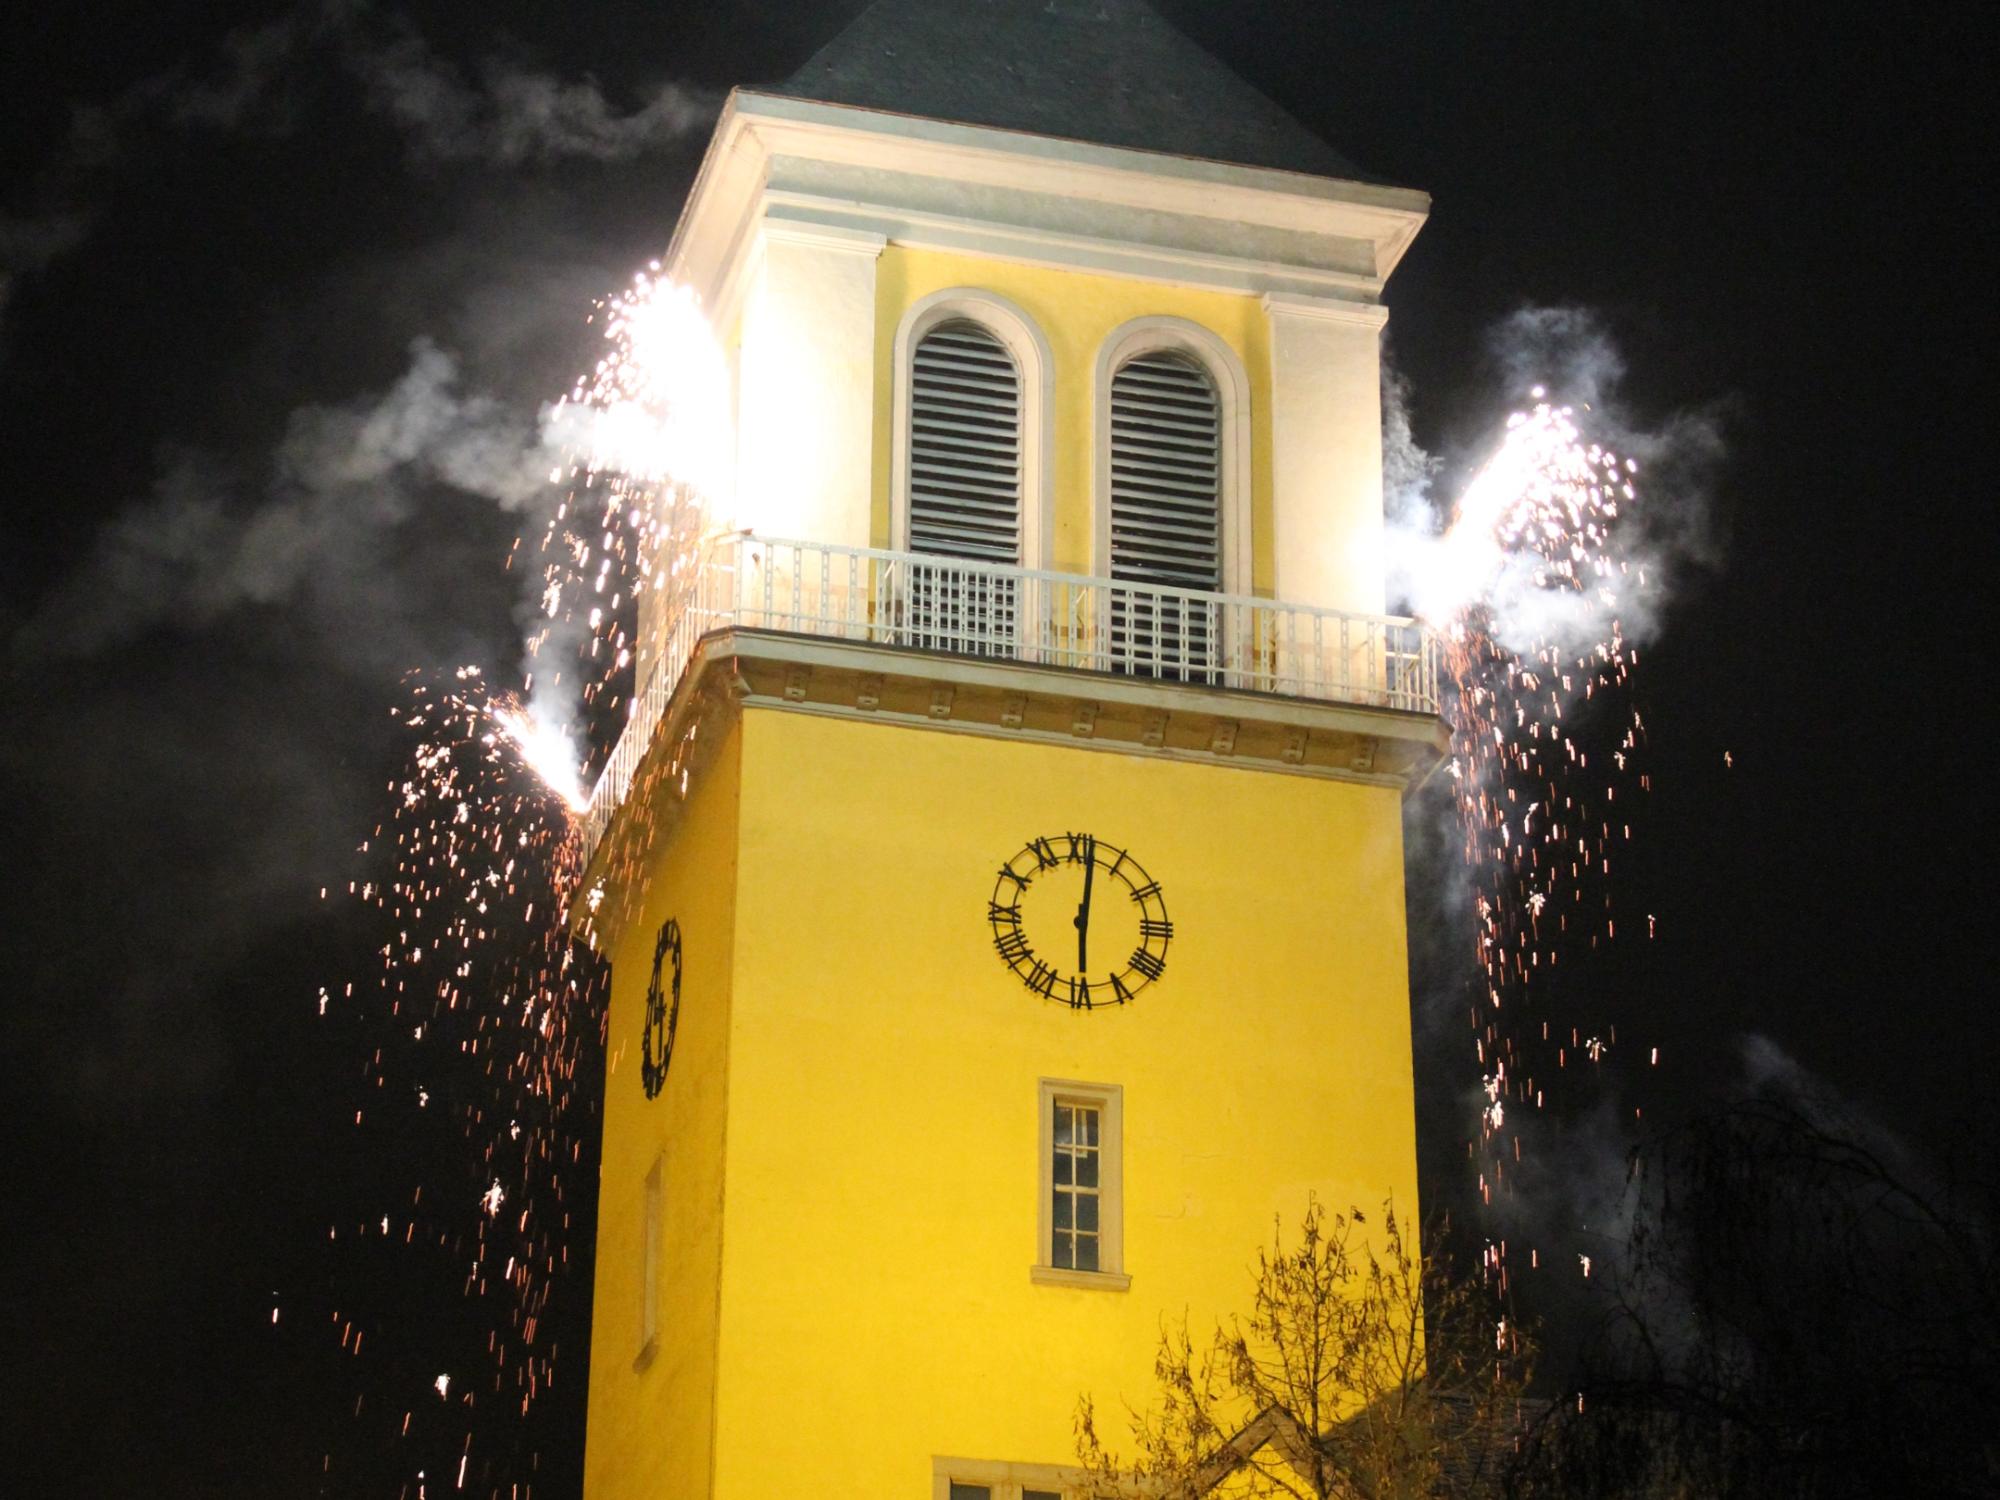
<point>1002,871</point>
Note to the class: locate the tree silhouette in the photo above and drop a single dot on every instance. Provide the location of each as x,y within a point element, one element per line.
<point>1359,1372</point>
<point>1800,1311</point>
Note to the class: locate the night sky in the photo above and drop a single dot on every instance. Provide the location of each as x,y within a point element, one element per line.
<point>235,238</point>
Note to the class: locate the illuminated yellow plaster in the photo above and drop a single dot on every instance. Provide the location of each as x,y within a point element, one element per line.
<point>853,1178</point>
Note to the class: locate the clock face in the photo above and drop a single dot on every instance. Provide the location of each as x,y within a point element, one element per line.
<point>1078,920</point>
<point>663,1009</point>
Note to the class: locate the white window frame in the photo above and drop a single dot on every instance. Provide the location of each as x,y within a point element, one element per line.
<point>1108,1099</point>
<point>1151,335</point>
<point>652,1232</point>
<point>1018,332</point>
<point>1006,1481</point>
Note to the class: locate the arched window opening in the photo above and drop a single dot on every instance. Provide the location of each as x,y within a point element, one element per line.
<point>965,488</point>
<point>1166,514</point>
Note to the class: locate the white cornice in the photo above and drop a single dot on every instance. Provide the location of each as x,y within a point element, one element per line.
<point>1103,253</point>
<point>782,226</point>
<point>733,191</point>
<point>1361,314</point>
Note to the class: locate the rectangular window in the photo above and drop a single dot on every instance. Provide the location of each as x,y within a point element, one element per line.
<point>650,1231</point>
<point>1081,1210</point>
<point>1078,1152</point>
<point>980,1479</point>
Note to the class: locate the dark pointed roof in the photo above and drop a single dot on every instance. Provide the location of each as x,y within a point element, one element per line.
<point>1108,71</point>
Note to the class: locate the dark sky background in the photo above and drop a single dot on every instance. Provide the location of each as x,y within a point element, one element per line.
<point>281,291</point>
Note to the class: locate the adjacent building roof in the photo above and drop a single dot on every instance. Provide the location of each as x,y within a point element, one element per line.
<point>1108,71</point>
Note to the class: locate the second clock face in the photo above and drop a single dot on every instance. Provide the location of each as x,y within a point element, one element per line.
<point>663,1010</point>
<point>1080,921</point>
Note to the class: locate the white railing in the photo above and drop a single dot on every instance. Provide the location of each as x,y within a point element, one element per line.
<point>916,602</point>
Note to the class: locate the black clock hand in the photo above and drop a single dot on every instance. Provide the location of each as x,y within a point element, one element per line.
<point>1083,911</point>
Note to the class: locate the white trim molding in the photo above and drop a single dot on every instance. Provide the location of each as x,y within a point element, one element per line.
<point>1332,310</point>
<point>1108,1099</point>
<point>785,227</point>
<point>1031,198</point>
<point>1007,1481</point>
<point>1006,321</point>
<point>1232,388</point>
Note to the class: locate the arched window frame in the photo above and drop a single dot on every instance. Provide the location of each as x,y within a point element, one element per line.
<point>1007,322</point>
<point>1232,389</point>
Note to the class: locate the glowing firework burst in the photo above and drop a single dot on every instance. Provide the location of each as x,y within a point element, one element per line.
<point>1527,586</point>
<point>479,1002</point>
<point>548,752</point>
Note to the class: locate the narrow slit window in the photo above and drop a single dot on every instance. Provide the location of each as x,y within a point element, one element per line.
<point>650,1231</point>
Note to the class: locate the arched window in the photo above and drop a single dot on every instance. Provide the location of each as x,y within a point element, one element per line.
<point>1166,472</point>
<point>964,497</point>
<point>965,445</point>
<point>1166,523</point>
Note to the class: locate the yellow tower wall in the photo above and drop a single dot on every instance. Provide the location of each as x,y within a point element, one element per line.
<point>650,1424</point>
<point>882,1141</point>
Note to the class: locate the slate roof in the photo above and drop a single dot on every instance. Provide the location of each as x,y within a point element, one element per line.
<point>1107,71</point>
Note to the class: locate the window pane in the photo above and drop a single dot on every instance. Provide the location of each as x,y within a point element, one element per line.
<point>1063,1160</point>
<point>1086,1211</point>
<point>1064,1258</point>
<point>1063,1122</point>
<point>1040,1495</point>
<point>1086,1120</point>
<point>1086,1252</point>
<point>1063,1202</point>
<point>971,1491</point>
<point>1086,1170</point>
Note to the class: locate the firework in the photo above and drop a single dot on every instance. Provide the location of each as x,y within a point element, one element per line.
<point>1526,588</point>
<point>477,998</point>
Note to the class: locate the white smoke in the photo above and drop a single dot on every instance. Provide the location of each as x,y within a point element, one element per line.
<point>504,115</point>
<point>342,480</point>
<point>264,81</point>
<point>1662,538</point>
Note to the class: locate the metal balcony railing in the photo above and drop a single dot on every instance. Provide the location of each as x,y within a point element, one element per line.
<point>913,601</point>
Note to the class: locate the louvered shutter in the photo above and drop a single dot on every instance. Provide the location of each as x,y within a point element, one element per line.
<point>1166,512</point>
<point>965,446</point>
<point>965,487</point>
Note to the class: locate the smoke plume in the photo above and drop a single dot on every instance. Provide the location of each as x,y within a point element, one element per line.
<point>354,58</point>
<point>216,536</point>
<point>1569,357</point>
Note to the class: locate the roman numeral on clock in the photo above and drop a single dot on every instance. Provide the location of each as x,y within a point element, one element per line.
<point>1149,964</point>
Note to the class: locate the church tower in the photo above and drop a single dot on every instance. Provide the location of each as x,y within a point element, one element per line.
<point>1001,873</point>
